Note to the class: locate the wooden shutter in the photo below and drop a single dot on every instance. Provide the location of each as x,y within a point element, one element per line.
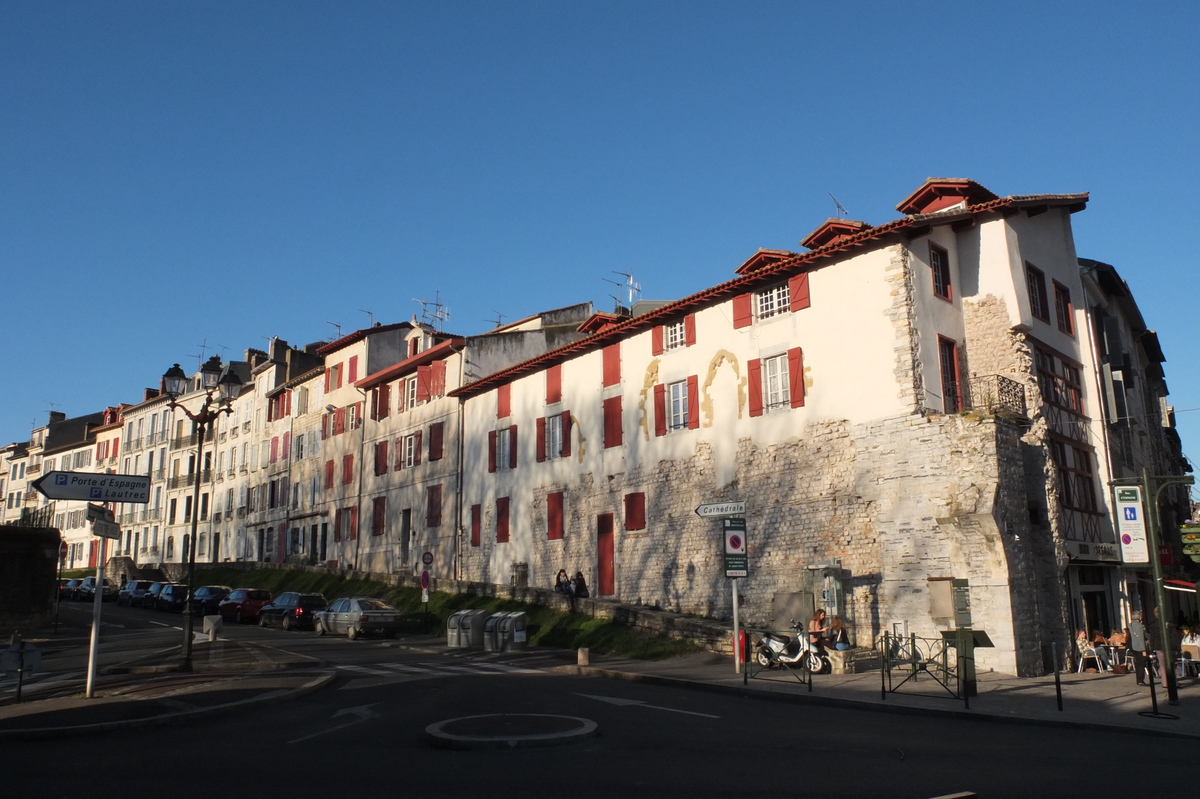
<point>347,469</point>
<point>693,388</point>
<point>635,511</point>
<point>554,384</point>
<point>358,415</point>
<point>656,340</point>
<point>433,506</point>
<point>660,409</point>
<point>795,361</point>
<point>512,447</point>
<point>324,426</point>
<point>339,421</point>
<point>285,451</point>
<point>385,401</point>
<point>612,364</point>
<point>329,474</point>
<point>353,368</point>
<point>435,440</point>
<point>337,525</point>
<point>689,330</point>
<point>501,520</point>
<point>476,523</point>
<point>491,450</point>
<point>399,453</point>
<point>613,428</point>
<point>353,524</point>
<point>798,298</point>
<point>424,383</point>
<point>327,376</point>
<point>742,313</point>
<point>274,448</point>
<point>504,401</point>
<point>754,385</point>
<point>540,435</point>
<point>379,515</point>
<point>381,457</point>
<point>417,448</point>
<point>566,434</point>
<point>439,378</point>
<point>554,516</point>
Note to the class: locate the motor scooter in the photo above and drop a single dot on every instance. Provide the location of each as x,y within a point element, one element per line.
<point>777,649</point>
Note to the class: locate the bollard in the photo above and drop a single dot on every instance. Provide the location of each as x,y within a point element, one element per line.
<point>582,657</point>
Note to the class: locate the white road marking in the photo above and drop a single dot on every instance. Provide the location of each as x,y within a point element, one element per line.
<point>619,702</point>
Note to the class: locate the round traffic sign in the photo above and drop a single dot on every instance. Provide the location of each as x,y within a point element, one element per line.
<point>735,542</point>
<point>62,551</point>
<point>425,579</point>
<point>427,558</point>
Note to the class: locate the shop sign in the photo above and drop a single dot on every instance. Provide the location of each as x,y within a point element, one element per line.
<point>1091,551</point>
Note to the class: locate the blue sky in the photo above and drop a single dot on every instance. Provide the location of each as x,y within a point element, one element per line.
<point>173,174</point>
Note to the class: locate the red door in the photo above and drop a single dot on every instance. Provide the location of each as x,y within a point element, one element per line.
<point>605,584</point>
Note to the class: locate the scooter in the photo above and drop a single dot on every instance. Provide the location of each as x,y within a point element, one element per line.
<point>776,649</point>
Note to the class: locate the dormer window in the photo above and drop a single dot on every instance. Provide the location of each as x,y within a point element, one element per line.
<point>772,301</point>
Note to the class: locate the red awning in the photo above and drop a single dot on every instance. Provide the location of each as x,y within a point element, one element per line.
<point>1179,585</point>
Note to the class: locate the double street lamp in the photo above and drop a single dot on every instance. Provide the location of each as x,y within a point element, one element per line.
<point>225,390</point>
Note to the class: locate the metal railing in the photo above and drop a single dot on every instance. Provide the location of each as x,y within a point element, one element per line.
<point>759,667</point>
<point>906,659</point>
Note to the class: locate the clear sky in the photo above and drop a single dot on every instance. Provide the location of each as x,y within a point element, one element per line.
<point>181,174</point>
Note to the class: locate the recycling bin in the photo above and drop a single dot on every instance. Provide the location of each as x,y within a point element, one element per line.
<point>470,626</point>
<point>455,637</point>
<point>491,632</point>
<point>512,634</point>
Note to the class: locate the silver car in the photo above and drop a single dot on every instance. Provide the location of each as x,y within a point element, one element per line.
<point>358,615</point>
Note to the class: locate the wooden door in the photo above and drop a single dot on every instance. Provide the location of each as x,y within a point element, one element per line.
<point>605,579</point>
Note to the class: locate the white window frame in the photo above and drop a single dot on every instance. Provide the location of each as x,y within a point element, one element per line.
<point>408,450</point>
<point>503,453</point>
<point>554,436</point>
<point>677,408</point>
<point>777,385</point>
<point>409,394</point>
<point>674,335</point>
<point>772,301</point>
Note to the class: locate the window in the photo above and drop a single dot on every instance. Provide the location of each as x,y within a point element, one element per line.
<point>554,516</point>
<point>554,436</point>
<point>381,457</point>
<point>502,449</point>
<point>1037,292</point>
<point>613,430</point>
<point>1059,381</point>
<point>347,469</point>
<point>1076,482</point>
<point>501,520</point>
<point>408,393</point>
<point>300,439</point>
<point>776,386</point>
<point>776,382</point>
<point>380,401</point>
<point>329,471</point>
<point>612,364</point>
<point>635,511</point>
<point>553,448</point>
<point>674,335</point>
<point>1063,309</point>
<point>476,523</point>
<point>939,264</point>
<point>772,302</point>
<point>678,392</point>
<point>951,390</point>
<point>680,333</point>
<point>433,506</point>
<point>408,450</point>
<point>379,516</point>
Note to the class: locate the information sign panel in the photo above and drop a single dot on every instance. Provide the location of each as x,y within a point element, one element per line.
<point>1131,525</point>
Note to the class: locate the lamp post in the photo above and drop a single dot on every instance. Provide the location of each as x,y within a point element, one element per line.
<point>175,384</point>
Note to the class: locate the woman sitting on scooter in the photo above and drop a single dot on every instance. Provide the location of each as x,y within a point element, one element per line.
<point>818,628</point>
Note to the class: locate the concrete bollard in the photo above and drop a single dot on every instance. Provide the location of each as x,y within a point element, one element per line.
<point>582,658</point>
<point>212,625</point>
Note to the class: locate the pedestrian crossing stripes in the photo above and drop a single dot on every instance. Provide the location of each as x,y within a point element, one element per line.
<point>8,685</point>
<point>432,669</point>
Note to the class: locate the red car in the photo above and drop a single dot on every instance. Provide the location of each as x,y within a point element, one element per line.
<point>243,604</point>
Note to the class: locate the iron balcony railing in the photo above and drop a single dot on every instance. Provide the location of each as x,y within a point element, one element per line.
<point>995,394</point>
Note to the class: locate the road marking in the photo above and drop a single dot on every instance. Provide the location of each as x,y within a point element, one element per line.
<point>366,670</point>
<point>162,624</point>
<point>406,668</point>
<point>360,713</point>
<point>507,669</point>
<point>614,700</point>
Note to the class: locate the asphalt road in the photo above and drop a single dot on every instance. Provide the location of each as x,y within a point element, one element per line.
<point>363,737</point>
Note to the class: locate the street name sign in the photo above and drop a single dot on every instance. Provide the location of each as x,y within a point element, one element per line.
<point>96,487</point>
<point>1131,525</point>
<point>721,509</point>
<point>106,530</point>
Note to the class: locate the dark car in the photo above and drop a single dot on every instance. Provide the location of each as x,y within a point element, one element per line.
<point>87,590</point>
<point>150,598</point>
<point>292,610</point>
<point>70,589</point>
<point>172,597</point>
<point>357,616</point>
<point>133,591</point>
<point>207,598</point>
<point>243,604</point>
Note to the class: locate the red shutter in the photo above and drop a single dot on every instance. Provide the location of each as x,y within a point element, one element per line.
<point>635,511</point>
<point>491,450</point>
<point>381,457</point>
<point>399,453</point>
<point>566,434</point>
<point>693,385</point>
<point>329,474</point>
<point>512,447</point>
<point>424,382</point>
<point>337,525</point>
<point>504,401</point>
<point>795,359</point>
<point>274,448</point>
<point>339,421</point>
<point>287,403</point>
<point>656,340</point>
<point>439,378</point>
<point>417,448</point>
<point>742,314</point>
<point>347,469</point>
<point>385,401</point>
<point>353,522</point>
<point>798,292</point>
<point>660,409</point>
<point>540,434</point>
<point>554,384</point>
<point>754,381</point>
<point>324,426</point>
<point>689,330</point>
<point>433,506</point>
<point>501,519</point>
<point>285,451</point>
<point>554,516</point>
<point>613,428</point>
<point>358,416</point>
<point>476,523</point>
<point>435,440</point>
<point>327,379</point>
<point>612,364</point>
<point>353,368</point>
<point>116,447</point>
<point>379,515</point>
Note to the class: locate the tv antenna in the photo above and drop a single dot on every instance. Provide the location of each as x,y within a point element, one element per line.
<point>632,288</point>
<point>336,327</point>
<point>203,349</point>
<point>841,210</point>
<point>370,317</point>
<point>434,313</point>
<point>499,320</point>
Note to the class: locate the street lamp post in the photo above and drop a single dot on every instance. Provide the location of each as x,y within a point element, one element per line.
<point>226,390</point>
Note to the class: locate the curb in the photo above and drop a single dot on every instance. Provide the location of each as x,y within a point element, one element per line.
<point>857,704</point>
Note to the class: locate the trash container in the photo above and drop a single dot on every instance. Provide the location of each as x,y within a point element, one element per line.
<point>512,632</point>
<point>455,637</point>
<point>491,632</point>
<point>471,628</point>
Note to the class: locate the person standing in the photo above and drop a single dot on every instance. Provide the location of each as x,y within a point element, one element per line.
<point>1137,646</point>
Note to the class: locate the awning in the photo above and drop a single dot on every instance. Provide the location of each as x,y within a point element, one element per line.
<point>1179,585</point>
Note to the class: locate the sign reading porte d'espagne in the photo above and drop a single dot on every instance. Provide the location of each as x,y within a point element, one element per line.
<point>95,487</point>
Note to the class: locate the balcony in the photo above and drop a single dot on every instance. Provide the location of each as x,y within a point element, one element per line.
<point>133,445</point>
<point>180,481</point>
<point>183,441</point>
<point>988,394</point>
<point>159,475</point>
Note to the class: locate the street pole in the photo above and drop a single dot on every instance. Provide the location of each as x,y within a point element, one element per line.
<point>97,598</point>
<point>186,664</point>
<point>737,648</point>
<point>1153,485</point>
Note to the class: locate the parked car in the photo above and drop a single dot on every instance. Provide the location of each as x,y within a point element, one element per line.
<point>207,598</point>
<point>243,604</point>
<point>69,589</point>
<point>292,610</point>
<point>87,590</point>
<point>150,598</point>
<point>358,615</point>
<point>172,597</point>
<point>133,591</point>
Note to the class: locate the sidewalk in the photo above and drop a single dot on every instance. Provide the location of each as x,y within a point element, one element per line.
<point>233,676</point>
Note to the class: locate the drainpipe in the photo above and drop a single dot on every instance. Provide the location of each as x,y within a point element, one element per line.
<point>362,440</point>
<point>458,503</point>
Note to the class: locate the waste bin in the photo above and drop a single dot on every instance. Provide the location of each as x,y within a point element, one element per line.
<point>470,626</point>
<point>491,632</point>
<point>512,632</point>
<point>456,636</point>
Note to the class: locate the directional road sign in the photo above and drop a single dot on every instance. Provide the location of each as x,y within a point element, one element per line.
<point>96,487</point>
<point>721,509</point>
<point>106,530</point>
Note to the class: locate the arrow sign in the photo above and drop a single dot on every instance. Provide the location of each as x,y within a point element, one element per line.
<point>95,487</point>
<point>361,713</point>
<point>721,509</point>
<point>619,702</point>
